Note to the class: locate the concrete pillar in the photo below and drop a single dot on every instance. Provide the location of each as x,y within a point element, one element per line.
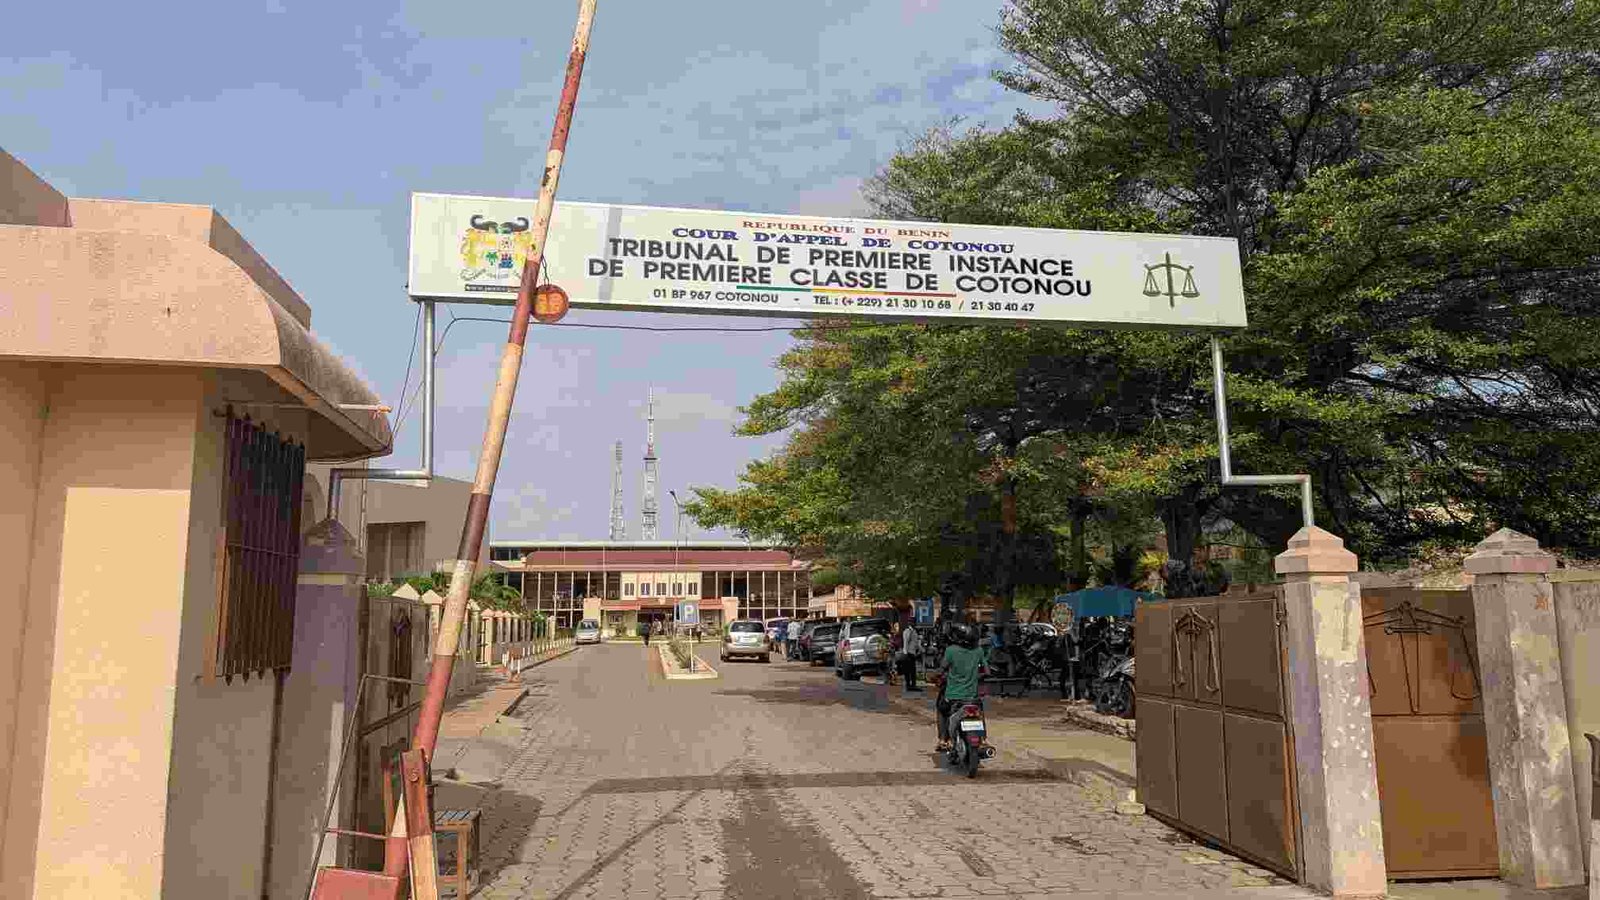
<point>1340,822</point>
<point>319,697</point>
<point>1525,713</point>
<point>1577,602</point>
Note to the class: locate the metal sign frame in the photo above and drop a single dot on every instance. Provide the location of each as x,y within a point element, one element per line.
<point>472,249</point>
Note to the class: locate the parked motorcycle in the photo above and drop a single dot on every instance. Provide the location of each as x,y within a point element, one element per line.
<point>1112,691</point>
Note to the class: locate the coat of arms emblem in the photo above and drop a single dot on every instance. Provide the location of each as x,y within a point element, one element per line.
<point>495,251</point>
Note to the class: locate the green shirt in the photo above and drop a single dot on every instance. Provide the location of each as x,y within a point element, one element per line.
<point>961,665</point>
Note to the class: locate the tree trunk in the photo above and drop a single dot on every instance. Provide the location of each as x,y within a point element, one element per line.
<point>1007,582</point>
<point>1181,516</point>
<point>1124,562</point>
<point>1080,551</point>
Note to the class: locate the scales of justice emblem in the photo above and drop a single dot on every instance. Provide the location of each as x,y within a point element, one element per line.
<point>1152,284</point>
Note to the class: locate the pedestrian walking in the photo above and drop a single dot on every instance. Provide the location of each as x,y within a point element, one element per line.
<point>644,628</point>
<point>791,641</point>
<point>910,651</point>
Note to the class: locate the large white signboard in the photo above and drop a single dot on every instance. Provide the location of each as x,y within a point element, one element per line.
<point>471,249</point>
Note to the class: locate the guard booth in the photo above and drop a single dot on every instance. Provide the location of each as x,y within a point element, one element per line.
<point>1216,748</point>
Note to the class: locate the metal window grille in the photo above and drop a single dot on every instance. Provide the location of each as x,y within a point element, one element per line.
<point>260,551</point>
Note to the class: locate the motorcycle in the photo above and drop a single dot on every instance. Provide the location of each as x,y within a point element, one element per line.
<point>967,733</point>
<point>1113,689</point>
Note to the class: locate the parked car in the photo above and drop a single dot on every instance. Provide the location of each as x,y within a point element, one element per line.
<point>863,646</point>
<point>776,629</point>
<point>588,632</point>
<point>745,637</point>
<point>804,640</point>
<point>820,643</point>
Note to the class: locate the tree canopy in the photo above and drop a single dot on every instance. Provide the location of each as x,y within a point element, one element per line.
<point>1412,186</point>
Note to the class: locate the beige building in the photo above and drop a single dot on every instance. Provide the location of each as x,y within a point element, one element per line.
<point>161,391</point>
<point>622,583</point>
<point>402,527</point>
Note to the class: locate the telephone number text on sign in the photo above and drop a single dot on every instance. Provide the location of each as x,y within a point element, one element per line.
<point>472,249</point>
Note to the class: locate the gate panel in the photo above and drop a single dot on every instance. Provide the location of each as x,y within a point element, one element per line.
<point>1260,799</point>
<point>1251,657</point>
<point>1152,675</point>
<point>1155,757</point>
<point>1216,756</point>
<point>1202,789</point>
<point>1429,742</point>
<point>1196,672</point>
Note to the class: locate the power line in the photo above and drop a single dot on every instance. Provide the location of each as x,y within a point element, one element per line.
<point>710,328</point>
<point>405,404</point>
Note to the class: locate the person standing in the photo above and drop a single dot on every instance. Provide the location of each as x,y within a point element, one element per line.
<point>791,640</point>
<point>910,650</point>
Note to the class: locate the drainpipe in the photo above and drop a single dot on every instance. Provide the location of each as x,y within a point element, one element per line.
<point>1228,478</point>
<point>336,476</point>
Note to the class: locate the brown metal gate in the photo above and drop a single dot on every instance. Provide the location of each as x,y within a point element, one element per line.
<point>1428,735</point>
<point>1215,755</point>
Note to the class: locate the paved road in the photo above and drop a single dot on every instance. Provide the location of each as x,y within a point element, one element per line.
<point>778,781</point>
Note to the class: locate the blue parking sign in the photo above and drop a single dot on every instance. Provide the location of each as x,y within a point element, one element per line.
<point>923,611</point>
<point>689,613</point>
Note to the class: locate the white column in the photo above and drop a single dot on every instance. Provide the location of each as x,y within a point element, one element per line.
<point>1331,717</point>
<point>1525,713</point>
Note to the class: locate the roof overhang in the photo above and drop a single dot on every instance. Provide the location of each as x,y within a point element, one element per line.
<point>128,297</point>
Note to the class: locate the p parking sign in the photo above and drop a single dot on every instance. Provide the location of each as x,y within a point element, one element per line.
<point>689,613</point>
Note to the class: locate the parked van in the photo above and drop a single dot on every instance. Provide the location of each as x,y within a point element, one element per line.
<point>588,632</point>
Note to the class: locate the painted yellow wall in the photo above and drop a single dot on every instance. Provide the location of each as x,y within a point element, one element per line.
<point>132,778</point>
<point>105,581</point>
<point>217,795</point>
<point>22,407</point>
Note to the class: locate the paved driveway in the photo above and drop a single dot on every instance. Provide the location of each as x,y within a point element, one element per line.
<point>778,781</point>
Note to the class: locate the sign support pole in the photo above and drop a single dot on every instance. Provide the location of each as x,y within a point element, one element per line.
<point>1228,478</point>
<point>505,389</point>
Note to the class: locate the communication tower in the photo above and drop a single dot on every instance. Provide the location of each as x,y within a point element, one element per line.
<point>647,508</point>
<point>619,530</point>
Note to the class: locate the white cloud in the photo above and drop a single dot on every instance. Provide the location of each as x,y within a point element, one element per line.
<point>686,412</point>
<point>838,197</point>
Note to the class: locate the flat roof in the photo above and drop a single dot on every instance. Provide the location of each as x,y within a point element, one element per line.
<point>636,545</point>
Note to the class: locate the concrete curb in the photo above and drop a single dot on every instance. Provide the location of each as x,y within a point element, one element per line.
<point>674,672</point>
<point>1086,717</point>
<point>535,665</point>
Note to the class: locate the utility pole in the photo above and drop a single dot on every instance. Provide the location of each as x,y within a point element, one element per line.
<point>505,391</point>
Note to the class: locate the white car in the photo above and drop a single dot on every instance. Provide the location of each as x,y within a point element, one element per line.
<point>745,637</point>
<point>588,632</point>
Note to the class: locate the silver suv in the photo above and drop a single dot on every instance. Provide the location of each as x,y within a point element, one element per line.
<point>745,637</point>
<point>863,646</point>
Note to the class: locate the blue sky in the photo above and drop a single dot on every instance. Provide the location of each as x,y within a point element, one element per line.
<point>308,124</point>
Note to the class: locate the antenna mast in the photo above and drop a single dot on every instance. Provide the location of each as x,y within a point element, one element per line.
<point>647,509</point>
<point>619,530</point>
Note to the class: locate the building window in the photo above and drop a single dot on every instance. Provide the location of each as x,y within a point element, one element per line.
<point>661,588</point>
<point>263,486</point>
<point>644,589</point>
<point>627,589</point>
<point>677,589</point>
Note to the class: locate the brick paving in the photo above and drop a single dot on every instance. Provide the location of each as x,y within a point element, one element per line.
<point>778,781</point>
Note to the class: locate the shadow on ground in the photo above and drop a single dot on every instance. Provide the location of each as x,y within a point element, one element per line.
<point>802,780</point>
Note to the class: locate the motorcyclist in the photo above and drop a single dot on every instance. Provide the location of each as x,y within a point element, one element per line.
<point>963,664</point>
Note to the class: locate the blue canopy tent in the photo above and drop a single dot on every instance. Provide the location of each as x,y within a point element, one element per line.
<point>1104,601</point>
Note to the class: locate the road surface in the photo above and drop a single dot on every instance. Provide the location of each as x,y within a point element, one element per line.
<point>779,781</point>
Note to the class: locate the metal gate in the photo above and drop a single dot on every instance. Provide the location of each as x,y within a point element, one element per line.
<point>1215,754</point>
<point>1427,733</point>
